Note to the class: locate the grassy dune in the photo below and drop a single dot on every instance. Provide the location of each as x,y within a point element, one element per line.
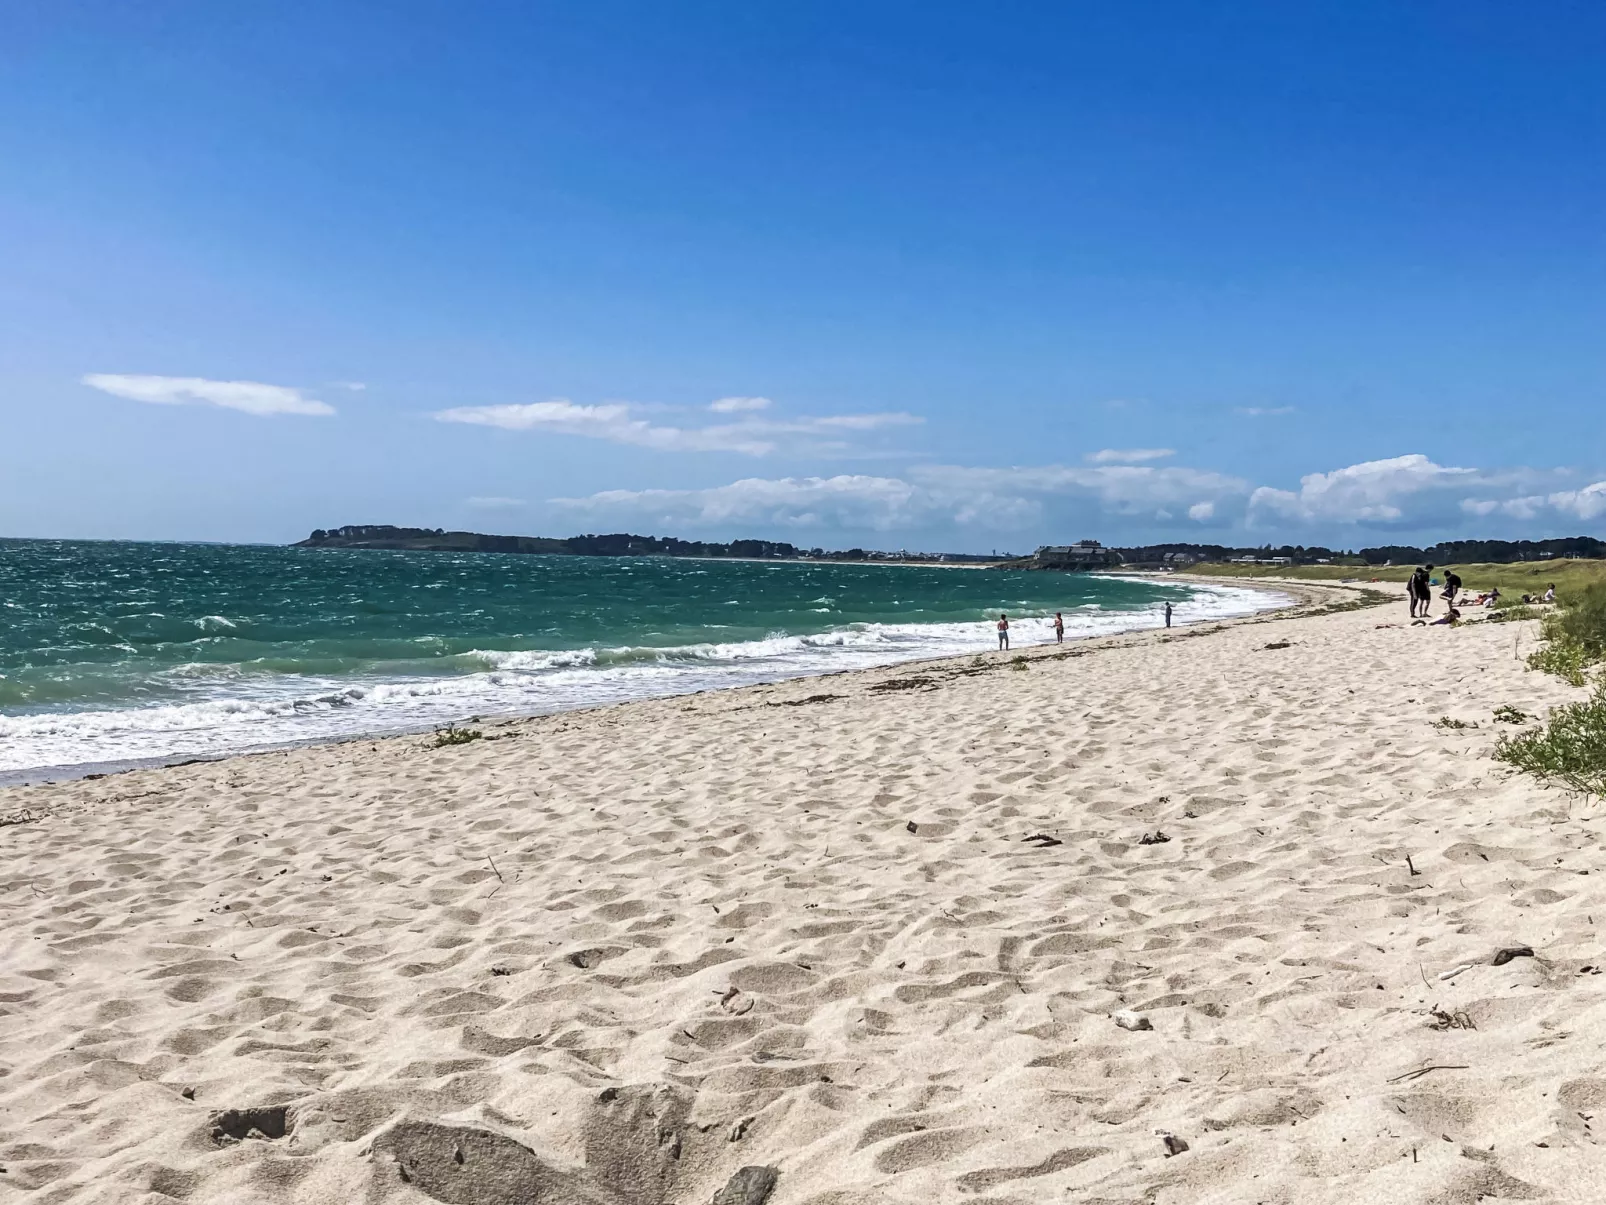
<point>1568,576</point>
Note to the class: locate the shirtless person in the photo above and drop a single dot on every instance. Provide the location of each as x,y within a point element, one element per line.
<point>1003,631</point>
<point>1059,628</point>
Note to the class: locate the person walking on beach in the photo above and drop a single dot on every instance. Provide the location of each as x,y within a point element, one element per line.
<point>1168,615</point>
<point>1059,628</point>
<point>1003,631</point>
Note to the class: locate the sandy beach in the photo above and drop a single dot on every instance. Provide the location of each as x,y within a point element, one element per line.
<point>871,931</point>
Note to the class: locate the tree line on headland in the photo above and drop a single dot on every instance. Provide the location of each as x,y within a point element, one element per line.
<point>424,539</point>
<point>1443,553</point>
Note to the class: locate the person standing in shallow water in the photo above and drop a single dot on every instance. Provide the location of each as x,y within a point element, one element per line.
<point>1168,615</point>
<point>1003,631</point>
<point>1059,628</point>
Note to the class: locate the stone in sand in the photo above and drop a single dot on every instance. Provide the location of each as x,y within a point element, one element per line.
<point>751,1185</point>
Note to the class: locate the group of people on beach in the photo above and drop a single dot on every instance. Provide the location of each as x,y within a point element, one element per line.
<point>1059,627</point>
<point>1419,592</point>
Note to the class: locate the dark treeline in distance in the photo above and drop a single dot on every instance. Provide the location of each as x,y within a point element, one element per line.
<point>1446,552</point>
<point>439,540</point>
<point>425,539</point>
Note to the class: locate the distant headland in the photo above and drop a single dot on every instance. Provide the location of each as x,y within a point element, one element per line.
<point>1083,555</point>
<point>424,539</point>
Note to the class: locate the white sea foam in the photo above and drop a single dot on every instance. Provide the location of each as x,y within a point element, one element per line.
<point>256,712</point>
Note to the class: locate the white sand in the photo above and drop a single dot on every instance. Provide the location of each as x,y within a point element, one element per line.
<point>710,939</point>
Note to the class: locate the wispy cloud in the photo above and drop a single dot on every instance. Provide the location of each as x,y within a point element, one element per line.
<point>251,397</point>
<point>737,405</point>
<point>1129,455</point>
<point>495,503</point>
<point>996,499</point>
<point>611,421</point>
<point>621,422</point>
<point>848,501</point>
<point>353,386</point>
<point>856,422</point>
<point>1262,411</point>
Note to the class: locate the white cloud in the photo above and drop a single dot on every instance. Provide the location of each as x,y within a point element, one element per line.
<point>859,422</point>
<point>1370,492</point>
<point>611,421</point>
<point>1262,411</point>
<point>1587,503</point>
<point>851,501</point>
<point>354,386</point>
<point>495,503</point>
<point>619,423</point>
<point>1404,490</point>
<point>1128,455</point>
<point>1122,489</point>
<point>252,397</point>
<point>998,499</point>
<point>1527,507</point>
<point>734,405</point>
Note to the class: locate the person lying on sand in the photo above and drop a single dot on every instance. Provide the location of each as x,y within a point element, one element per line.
<point>1452,618</point>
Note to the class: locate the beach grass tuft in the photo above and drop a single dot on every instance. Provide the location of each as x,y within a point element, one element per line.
<point>453,735</point>
<point>1570,748</point>
<point>1574,635</point>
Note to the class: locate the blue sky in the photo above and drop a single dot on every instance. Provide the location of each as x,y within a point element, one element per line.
<point>919,275</point>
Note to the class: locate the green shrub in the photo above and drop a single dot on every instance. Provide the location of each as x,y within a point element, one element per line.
<point>1507,714</point>
<point>1582,622</point>
<point>1574,635</point>
<point>1445,721</point>
<point>1566,661</point>
<point>453,735</point>
<point>1570,748</point>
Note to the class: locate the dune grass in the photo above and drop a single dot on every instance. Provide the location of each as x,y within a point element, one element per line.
<point>1569,575</point>
<point>1574,635</point>
<point>1570,748</point>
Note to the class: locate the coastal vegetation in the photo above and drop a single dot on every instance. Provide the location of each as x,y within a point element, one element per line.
<point>1571,746</point>
<point>453,735</point>
<point>1570,576</point>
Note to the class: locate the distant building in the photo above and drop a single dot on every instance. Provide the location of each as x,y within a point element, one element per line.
<point>1084,554</point>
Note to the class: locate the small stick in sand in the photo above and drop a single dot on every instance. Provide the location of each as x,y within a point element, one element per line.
<point>1412,865</point>
<point>1421,1071</point>
<point>492,861</point>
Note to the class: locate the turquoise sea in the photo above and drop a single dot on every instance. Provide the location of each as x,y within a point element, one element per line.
<point>114,653</point>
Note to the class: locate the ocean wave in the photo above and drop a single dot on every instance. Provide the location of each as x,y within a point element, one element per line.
<point>264,711</point>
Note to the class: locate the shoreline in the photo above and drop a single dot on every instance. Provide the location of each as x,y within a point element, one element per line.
<point>66,772</point>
